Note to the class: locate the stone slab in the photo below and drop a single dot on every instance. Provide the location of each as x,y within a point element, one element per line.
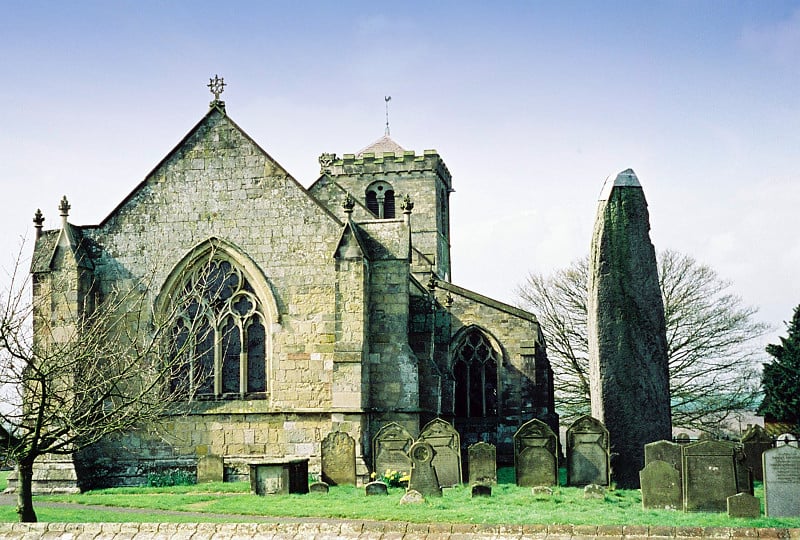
<point>782,481</point>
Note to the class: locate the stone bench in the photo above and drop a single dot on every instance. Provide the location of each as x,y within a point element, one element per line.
<point>279,476</point>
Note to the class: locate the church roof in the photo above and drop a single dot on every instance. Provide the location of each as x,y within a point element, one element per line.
<point>384,144</point>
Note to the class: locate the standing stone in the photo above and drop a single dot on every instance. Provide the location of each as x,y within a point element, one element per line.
<point>423,474</point>
<point>756,441</point>
<point>339,459</point>
<point>445,440</point>
<point>587,453</point>
<point>390,447</point>
<point>709,476</point>
<point>376,488</point>
<point>319,487</point>
<point>628,365</point>
<point>536,455</point>
<point>210,468</point>
<point>782,481</point>
<point>482,464</point>
<point>744,505</point>
<point>661,486</point>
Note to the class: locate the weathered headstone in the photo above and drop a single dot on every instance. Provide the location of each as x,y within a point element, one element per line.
<point>542,492</point>
<point>782,481</point>
<point>412,497</point>
<point>423,474</point>
<point>445,440</point>
<point>390,449</point>
<point>593,491</point>
<point>210,468</point>
<point>338,459</point>
<point>756,441</point>
<point>482,463</point>
<point>744,475</point>
<point>744,505</point>
<point>318,487</point>
<point>628,363</point>
<point>481,490</point>
<point>536,455</point>
<point>668,452</point>
<point>709,476</point>
<point>587,453</point>
<point>376,488</point>
<point>661,486</point>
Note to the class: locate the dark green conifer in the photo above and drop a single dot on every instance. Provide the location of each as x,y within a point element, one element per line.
<point>781,378</point>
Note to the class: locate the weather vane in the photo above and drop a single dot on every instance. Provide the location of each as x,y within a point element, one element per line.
<point>387,99</point>
<point>217,86</point>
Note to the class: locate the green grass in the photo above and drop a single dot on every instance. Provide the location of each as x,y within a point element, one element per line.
<point>509,504</point>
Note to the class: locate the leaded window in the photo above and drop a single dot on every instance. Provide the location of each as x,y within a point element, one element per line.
<point>475,372</point>
<point>380,200</point>
<point>220,336</point>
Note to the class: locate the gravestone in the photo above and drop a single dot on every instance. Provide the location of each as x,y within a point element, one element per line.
<point>423,473</point>
<point>481,490</point>
<point>782,481</point>
<point>666,451</point>
<point>661,486</point>
<point>536,455</point>
<point>376,488</point>
<point>755,441</point>
<point>390,447</point>
<point>593,491</point>
<point>787,439</point>
<point>744,475</point>
<point>744,505</point>
<point>587,453</point>
<point>682,438</point>
<point>446,442</point>
<point>709,476</point>
<point>542,492</point>
<point>412,497</point>
<point>338,459</point>
<point>210,468</point>
<point>482,464</point>
<point>318,487</point>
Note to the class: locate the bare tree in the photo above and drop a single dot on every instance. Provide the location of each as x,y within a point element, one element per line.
<point>711,338</point>
<point>77,377</point>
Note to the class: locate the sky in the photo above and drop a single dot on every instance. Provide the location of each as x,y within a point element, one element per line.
<point>531,105</point>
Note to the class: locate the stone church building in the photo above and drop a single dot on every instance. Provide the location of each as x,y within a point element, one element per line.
<point>338,312</point>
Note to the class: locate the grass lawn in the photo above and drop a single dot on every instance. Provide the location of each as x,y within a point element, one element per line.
<point>509,504</point>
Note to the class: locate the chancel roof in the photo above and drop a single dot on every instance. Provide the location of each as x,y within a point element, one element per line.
<point>382,145</point>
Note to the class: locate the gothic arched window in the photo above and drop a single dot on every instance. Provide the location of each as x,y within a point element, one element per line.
<point>219,338</point>
<point>380,200</point>
<point>475,372</point>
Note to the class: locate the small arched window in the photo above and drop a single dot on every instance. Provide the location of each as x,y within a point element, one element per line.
<point>380,200</point>
<point>475,372</point>
<point>219,337</point>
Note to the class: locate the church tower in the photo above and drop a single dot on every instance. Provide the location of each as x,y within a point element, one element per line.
<point>379,178</point>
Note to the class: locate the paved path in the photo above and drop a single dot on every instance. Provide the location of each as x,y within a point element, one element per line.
<point>272,528</point>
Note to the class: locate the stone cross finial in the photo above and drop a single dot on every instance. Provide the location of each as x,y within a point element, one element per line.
<point>64,207</point>
<point>326,161</point>
<point>348,205</point>
<point>217,86</point>
<point>38,222</point>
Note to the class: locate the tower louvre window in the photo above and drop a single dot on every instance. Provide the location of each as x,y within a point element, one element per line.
<point>380,200</point>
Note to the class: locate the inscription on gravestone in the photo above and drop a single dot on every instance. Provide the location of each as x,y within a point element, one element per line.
<point>390,448</point>
<point>482,463</point>
<point>536,455</point>
<point>709,476</point>
<point>423,474</point>
<point>782,481</point>
<point>338,459</point>
<point>446,442</point>
<point>587,453</point>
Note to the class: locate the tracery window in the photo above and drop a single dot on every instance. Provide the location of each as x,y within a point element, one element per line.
<point>475,373</point>
<point>380,200</point>
<point>220,337</point>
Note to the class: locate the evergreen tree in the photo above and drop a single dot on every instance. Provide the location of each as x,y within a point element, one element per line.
<point>781,378</point>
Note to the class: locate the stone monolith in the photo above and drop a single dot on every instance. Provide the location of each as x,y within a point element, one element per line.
<point>628,366</point>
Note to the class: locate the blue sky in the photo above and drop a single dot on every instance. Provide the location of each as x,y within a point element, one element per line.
<point>531,104</point>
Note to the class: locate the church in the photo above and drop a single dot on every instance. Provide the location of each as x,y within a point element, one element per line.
<point>330,308</point>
